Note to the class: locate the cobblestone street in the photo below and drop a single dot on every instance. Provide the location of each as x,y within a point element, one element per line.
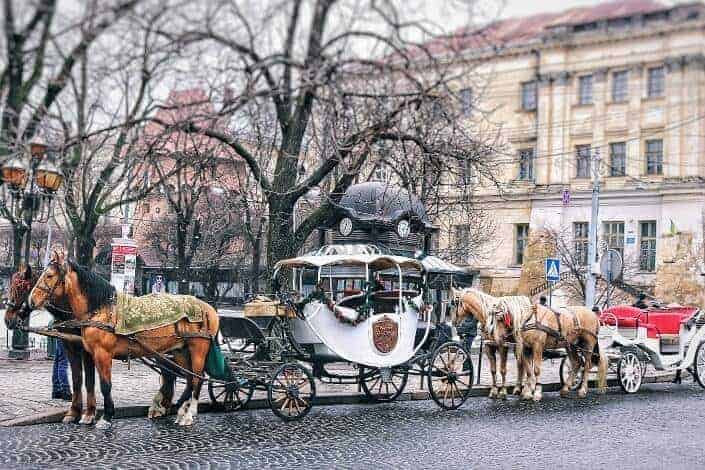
<point>607,431</point>
<point>27,386</point>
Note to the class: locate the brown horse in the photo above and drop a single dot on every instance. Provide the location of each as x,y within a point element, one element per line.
<point>93,301</point>
<point>478,304</point>
<point>17,313</point>
<point>576,329</point>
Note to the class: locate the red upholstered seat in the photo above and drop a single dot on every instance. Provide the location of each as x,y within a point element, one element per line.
<point>626,316</point>
<point>659,321</point>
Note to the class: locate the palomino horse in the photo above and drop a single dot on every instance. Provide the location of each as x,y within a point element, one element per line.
<point>478,304</point>
<point>17,313</point>
<point>573,328</point>
<point>93,302</point>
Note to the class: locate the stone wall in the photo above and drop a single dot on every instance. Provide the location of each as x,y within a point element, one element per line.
<point>541,246</point>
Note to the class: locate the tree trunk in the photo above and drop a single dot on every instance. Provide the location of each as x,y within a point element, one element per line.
<point>280,243</point>
<point>18,233</point>
<point>182,263</point>
<point>256,261</point>
<point>85,245</point>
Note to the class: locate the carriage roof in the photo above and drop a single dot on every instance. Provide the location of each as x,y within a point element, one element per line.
<point>374,261</point>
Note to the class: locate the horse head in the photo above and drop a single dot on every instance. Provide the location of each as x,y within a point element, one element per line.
<point>69,288</point>
<point>499,321</point>
<point>52,283</point>
<point>473,302</point>
<point>21,283</point>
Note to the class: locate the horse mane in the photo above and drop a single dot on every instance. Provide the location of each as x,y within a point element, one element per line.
<point>98,291</point>
<point>519,307</point>
<point>487,301</point>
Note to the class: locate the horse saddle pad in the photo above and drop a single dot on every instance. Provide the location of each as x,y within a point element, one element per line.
<point>135,314</point>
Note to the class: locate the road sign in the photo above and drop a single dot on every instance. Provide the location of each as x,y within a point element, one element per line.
<point>611,265</point>
<point>553,269</point>
<point>566,197</point>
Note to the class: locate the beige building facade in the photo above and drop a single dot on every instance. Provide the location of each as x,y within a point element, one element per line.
<point>622,80</point>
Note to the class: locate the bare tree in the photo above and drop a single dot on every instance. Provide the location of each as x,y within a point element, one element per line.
<point>42,45</point>
<point>342,77</point>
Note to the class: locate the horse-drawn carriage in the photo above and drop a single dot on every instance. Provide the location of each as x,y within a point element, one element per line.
<point>366,310</point>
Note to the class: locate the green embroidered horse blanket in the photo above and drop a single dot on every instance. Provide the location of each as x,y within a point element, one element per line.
<point>134,314</point>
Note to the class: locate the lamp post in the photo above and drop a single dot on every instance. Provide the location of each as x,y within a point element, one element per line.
<point>27,204</point>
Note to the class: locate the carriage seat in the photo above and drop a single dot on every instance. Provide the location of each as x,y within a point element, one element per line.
<point>352,299</point>
<point>666,321</point>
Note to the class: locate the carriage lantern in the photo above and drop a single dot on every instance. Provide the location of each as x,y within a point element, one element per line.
<point>14,174</point>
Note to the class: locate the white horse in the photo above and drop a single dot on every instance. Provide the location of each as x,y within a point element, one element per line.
<point>480,305</point>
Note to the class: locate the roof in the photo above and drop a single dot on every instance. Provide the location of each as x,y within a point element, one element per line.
<point>519,31</point>
<point>436,265</point>
<point>376,262</point>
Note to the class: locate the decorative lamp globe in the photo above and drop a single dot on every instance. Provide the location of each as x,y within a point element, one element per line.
<point>48,176</point>
<point>14,173</point>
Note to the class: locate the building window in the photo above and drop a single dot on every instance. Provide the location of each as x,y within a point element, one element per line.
<point>466,101</point>
<point>526,164</point>
<point>613,233</point>
<point>654,157</point>
<point>585,90</point>
<point>580,240</point>
<point>620,86</point>
<point>647,255</point>
<point>528,96</point>
<point>522,239</point>
<point>618,157</point>
<point>582,154</point>
<point>656,82</point>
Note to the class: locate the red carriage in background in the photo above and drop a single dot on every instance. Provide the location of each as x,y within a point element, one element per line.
<point>669,338</point>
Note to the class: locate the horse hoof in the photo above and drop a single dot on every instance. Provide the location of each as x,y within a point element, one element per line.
<point>517,391</point>
<point>537,397</point>
<point>186,420</point>
<point>582,393</point>
<point>69,419</point>
<point>87,420</point>
<point>564,393</point>
<point>502,395</point>
<point>103,424</point>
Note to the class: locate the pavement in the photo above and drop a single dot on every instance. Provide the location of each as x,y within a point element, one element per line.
<point>660,427</point>
<point>25,394</point>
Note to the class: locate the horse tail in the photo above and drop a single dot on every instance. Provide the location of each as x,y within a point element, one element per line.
<point>602,367</point>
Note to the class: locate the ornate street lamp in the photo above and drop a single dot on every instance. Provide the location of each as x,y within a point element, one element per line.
<point>29,203</point>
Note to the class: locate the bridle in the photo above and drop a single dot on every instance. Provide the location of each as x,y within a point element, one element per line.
<point>50,303</point>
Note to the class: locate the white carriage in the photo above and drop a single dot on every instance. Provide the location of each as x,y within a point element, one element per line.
<point>365,309</point>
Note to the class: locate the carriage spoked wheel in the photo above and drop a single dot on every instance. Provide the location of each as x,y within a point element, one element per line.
<point>232,395</point>
<point>450,375</point>
<point>630,372</point>
<point>699,364</point>
<point>291,392</point>
<point>383,386</point>
<point>566,368</point>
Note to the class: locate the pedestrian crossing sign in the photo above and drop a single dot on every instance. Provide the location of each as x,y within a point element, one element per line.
<point>553,269</point>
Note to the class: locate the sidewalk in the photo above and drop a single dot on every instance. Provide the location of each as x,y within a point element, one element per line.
<point>26,385</point>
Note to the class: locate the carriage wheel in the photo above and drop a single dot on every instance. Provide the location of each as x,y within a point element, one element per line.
<point>450,376</point>
<point>231,396</point>
<point>383,386</point>
<point>630,372</point>
<point>291,392</point>
<point>699,364</point>
<point>278,342</point>
<point>241,346</point>
<point>565,369</point>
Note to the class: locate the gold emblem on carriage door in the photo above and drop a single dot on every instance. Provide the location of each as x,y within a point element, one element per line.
<point>385,334</point>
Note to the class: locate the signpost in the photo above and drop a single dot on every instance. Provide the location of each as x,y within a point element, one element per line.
<point>553,275</point>
<point>124,264</point>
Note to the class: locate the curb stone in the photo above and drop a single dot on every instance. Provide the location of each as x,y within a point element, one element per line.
<point>136,411</point>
